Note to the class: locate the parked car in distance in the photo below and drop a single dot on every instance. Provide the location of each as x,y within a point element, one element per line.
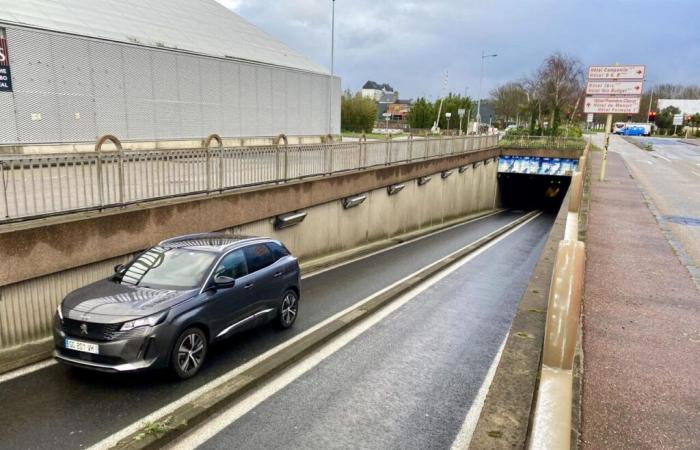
<point>165,307</point>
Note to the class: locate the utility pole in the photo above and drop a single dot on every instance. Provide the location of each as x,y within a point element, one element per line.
<point>330,81</point>
<point>481,82</point>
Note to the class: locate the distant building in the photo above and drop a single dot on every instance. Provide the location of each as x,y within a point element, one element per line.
<point>159,70</point>
<point>380,93</point>
<point>687,107</point>
<point>400,109</point>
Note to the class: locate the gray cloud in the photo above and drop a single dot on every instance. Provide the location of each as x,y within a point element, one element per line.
<point>410,44</point>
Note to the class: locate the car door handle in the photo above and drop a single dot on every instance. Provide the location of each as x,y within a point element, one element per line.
<point>277,274</point>
<point>248,286</point>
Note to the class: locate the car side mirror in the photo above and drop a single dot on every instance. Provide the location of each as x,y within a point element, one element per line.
<point>224,282</point>
<point>119,268</point>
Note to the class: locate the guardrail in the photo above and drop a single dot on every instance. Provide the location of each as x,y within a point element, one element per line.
<point>543,142</point>
<point>551,422</point>
<point>34,186</point>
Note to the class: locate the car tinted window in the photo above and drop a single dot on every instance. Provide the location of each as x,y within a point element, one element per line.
<point>278,251</point>
<point>233,265</point>
<point>169,268</point>
<point>258,257</point>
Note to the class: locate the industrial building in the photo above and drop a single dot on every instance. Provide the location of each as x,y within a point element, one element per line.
<point>151,71</point>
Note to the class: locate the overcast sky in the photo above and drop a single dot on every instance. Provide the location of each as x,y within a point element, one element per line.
<point>410,44</point>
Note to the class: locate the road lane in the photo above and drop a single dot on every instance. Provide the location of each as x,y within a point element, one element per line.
<point>408,381</point>
<point>58,406</point>
<point>668,175</point>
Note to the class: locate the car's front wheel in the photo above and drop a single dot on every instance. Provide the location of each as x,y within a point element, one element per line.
<point>189,353</point>
<point>288,309</point>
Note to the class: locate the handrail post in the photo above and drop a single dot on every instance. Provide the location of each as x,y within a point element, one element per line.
<point>4,190</point>
<point>410,147</point>
<point>207,148</point>
<point>120,167</point>
<point>278,156</point>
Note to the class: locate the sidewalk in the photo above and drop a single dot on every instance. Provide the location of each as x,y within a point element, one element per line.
<point>641,328</point>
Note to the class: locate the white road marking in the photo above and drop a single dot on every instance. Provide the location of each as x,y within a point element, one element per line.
<point>698,174</point>
<point>27,370</point>
<point>662,157</point>
<point>464,437</point>
<point>215,425</point>
<point>646,161</point>
<point>50,362</point>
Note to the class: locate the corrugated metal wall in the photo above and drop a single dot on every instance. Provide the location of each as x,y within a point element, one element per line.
<point>70,89</point>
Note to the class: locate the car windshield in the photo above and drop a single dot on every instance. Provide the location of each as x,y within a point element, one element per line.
<point>169,268</point>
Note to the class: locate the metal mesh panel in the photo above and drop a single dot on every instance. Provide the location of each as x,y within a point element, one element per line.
<point>264,102</point>
<point>279,102</point>
<point>248,99</point>
<point>293,111</point>
<point>8,130</point>
<point>212,111</point>
<point>71,66</point>
<point>77,118</point>
<point>108,81</point>
<point>37,117</point>
<point>305,105</point>
<point>30,54</point>
<point>231,99</point>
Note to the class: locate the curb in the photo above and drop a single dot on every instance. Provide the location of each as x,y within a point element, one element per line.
<point>220,397</point>
<point>41,350</point>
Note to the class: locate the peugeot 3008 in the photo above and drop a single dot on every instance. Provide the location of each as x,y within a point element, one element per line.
<point>165,307</point>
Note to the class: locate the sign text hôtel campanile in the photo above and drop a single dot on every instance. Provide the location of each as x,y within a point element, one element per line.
<point>5,77</point>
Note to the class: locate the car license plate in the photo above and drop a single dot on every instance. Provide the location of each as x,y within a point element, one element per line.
<point>83,346</point>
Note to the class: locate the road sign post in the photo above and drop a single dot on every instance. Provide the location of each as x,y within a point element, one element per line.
<point>613,90</point>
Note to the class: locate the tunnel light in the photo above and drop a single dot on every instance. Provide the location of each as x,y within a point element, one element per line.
<point>289,220</point>
<point>395,189</point>
<point>487,162</point>
<point>476,164</point>
<point>446,174</point>
<point>463,169</point>
<point>355,200</point>
<point>424,180</point>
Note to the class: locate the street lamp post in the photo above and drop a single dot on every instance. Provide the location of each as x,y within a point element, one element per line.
<point>461,112</point>
<point>481,79</point>
<point>330,81</point>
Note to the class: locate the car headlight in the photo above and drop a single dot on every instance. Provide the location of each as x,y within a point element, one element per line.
<point>59,312</point>
<point>149,321</point>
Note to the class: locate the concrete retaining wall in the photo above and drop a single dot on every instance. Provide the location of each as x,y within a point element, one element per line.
<point>65,256</point>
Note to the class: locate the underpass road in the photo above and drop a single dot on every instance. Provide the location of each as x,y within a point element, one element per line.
<point>59,407</point>
<point>407,382</point>
<point>670,175</point>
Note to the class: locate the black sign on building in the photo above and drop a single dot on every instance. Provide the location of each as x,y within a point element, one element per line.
<point>5,76</point>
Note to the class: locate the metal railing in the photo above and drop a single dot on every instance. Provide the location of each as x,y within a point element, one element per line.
<point>33,186</point>
<point>543,142</point>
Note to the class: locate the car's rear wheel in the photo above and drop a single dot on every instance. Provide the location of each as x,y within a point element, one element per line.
<point>188,353</point>
<point>288,310</point>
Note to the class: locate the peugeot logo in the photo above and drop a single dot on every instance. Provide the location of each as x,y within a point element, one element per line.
<point>83,329</point>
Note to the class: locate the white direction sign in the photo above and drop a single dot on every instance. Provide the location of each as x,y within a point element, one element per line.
<point>589,118</point>
<point>612,105</point>
<point>614,88</point>
<point>678,119</point>
<point>616,72</point>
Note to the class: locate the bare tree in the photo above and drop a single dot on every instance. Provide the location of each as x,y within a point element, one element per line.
<point>560,84</point>
<point>509,100</point>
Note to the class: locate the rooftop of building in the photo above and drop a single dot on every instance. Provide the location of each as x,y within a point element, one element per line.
<point>202,27</point>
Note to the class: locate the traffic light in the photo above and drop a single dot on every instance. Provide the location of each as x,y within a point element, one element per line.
<point>652,116</point>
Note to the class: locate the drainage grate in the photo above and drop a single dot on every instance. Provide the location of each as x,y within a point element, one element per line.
<point>692,221</point>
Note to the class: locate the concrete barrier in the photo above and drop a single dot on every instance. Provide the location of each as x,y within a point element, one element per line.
<point>551,421</point>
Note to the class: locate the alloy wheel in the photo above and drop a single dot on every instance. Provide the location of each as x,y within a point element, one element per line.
<point>290,307</point>
<point>191,353</point>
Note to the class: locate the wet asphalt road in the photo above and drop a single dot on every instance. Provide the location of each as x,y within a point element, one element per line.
<point>409,381</point>
<point>60,407</point>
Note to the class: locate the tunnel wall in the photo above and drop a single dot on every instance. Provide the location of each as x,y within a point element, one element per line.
<point>28,304</point>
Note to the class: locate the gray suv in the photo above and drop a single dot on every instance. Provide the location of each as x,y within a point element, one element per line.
<point>165,307</point>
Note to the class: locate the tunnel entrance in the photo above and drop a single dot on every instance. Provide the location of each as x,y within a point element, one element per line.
<point>526,191</point>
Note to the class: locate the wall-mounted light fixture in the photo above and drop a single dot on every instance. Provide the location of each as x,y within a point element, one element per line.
<point>476,164</point>
<point>463,169</point>
<point>289,220</point>
<point>395,189</point>
<point>424,180</point>
<point>446,173</point>
<point>355,200</point>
